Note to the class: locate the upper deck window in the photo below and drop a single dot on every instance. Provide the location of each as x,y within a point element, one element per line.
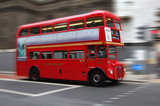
<point>94,22</point>
<point>76,24</point>
<point>24,32</point>
<point>117,24</point>
<point>47,29</point>
<point>35,30</point>
<point>109,22</point>
<point>60,27</point>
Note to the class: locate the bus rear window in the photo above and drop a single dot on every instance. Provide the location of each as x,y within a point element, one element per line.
<point>94,22</point>
<point>35,30</point>
<point>47,29</point>
<point>60,27</point>
<point>117,24</point>
<point>76,24</point>
<point>24,32</point>
<point>109,22</point>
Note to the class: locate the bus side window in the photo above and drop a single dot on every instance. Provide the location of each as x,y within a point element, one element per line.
<point>35,30</point>
<point>76,54</point>
<point>47,29</point>
<point>24,32</point>
<point>34,55</point>
<point>109,22</point>
<point>91,52</point>
<point>94,22</point>
<point>60,54</point>
<point>60,27</point>
<point>76,24</point>
<point>46,55</point>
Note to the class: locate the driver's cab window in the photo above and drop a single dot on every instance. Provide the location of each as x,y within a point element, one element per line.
<point>101,51</point>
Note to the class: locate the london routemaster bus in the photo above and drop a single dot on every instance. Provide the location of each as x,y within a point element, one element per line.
<point>80,47</point>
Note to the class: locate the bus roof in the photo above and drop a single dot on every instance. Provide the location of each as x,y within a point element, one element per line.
<point>95,12</point>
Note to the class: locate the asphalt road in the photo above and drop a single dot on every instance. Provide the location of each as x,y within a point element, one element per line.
<point>63,93</point>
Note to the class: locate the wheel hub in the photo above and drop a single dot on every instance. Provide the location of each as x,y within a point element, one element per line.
<point>96,78</point>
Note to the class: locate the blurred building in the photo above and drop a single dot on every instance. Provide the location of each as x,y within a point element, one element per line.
<point>17,12</point>
<point>137,19</point>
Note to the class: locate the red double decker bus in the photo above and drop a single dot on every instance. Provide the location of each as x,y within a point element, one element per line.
<point>80,47</point>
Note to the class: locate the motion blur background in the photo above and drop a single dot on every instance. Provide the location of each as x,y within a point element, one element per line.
<point>140,21</point>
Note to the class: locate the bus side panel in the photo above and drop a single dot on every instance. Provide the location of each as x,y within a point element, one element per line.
<point>76,70</point>
<point>21,68</point>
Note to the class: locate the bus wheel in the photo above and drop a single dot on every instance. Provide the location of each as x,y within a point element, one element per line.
<point>97,78</point>
<point>34,74</point>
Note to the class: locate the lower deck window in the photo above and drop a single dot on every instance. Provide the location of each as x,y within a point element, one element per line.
<point>60,54</point>
<point>46,55</point>
<point>34,55</point>
<point>78,54</point>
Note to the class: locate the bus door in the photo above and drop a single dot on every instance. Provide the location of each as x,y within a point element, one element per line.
<point>91,56</point>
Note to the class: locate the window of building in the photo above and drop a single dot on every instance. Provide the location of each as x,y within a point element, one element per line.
<point>46,55</point>
<point>24,32</point>
<point>60,27</point>
<point>47,29</point>
<point>101,51</point>
<point>109,22</point>
<point>117,24</point>
<point>91,52</point>
<point>60,54</point>
<point>34,55</point>
<point>76,54</point>
<point>76,24</point>
<point>35,30</point>
<point>94,22</point>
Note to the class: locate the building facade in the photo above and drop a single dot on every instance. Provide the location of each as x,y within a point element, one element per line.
<point>18,12</point>
<point>138,18</point>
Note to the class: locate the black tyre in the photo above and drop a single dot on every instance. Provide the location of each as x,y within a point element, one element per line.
<point>97,79</point>
<point>34,74</point>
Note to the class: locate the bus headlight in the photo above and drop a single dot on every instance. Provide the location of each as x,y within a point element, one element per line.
<point>111,71</point>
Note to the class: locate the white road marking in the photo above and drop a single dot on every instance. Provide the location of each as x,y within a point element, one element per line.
<point>39,94</point>
<point>45,83</point>
<point>35,95</point>
<point>121,95</point>
<point>132,91</point>
<point>54,91</point>
<point>127,93</point>
<point>137,89</point>
<point>108,101</point>
<point>15,92</point>
<point>114,98</point>
<point>98,105</point>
